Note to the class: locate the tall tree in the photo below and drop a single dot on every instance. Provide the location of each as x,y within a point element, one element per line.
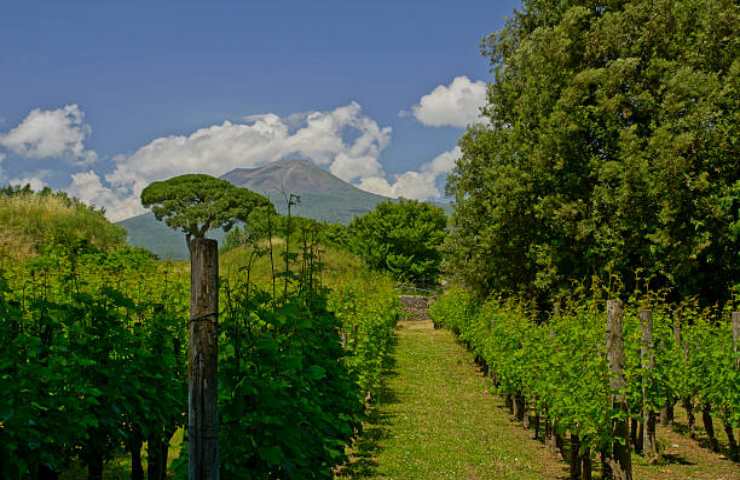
<point>611,148</point>
<point>196,204</point>
<point>401,237</point>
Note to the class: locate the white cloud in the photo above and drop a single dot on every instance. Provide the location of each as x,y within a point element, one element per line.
<point>344,140</point>
<point>456,105</point>
<point>118,203</point>
<point>51,134</point>
<point>419,185</point>
<point>217,149</point>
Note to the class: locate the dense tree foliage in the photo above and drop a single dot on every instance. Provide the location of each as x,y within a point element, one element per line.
<point>401,237</point>
<point>197,203</point>
<point>610,149</point>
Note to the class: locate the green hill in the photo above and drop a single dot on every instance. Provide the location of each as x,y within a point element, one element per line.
<point>31,221</point>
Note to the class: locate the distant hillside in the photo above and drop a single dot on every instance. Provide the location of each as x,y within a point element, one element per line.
<point>322,197</point>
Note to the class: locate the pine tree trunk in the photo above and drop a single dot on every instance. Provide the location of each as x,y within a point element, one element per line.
<point>202,361</point>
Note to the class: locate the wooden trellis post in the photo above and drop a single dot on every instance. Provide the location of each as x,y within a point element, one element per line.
<point>620,460</point>
<point>647,360</point>
<point>203,361</point>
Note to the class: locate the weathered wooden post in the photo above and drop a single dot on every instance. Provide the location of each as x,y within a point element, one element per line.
<point>647,361</point>
<point>203,360</point>
<point>688,403</point>
<point>736,337</point>
<point>729,431</point>
<point>620,461</point>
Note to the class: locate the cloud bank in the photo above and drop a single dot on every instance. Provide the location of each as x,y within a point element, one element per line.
<point>455,105</point>
<point>47,134</point>
<point>419,185</point>
<point>344,140</point>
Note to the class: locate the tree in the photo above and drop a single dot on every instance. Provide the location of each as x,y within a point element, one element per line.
<point>196,204</point>
<point>401,237</point>
<point>610,149</point>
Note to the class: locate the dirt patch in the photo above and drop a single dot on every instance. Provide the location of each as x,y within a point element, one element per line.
<point>415,306</point>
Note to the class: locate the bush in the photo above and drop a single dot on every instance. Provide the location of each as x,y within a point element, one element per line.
<point>402,238</point>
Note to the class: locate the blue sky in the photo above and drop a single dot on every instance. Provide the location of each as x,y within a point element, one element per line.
<point>133,72</point>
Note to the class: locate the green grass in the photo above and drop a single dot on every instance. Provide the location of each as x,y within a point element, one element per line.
<point>29,221</point>
<point>437,420</point>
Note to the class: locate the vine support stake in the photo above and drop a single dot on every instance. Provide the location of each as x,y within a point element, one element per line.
<point>620,461</point>
<point>736,336</point>
<point>647,360</point>
<point>202,361</point>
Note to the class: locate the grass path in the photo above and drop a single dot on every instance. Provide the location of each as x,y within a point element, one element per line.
<point>436,420</point>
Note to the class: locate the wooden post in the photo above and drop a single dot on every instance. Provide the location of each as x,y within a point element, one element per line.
<point>736,336</point>
<point>647,361</point>
<point>729,431</point>
<point>688,402</point>
<point>620,461</point>
<point>202,361</point>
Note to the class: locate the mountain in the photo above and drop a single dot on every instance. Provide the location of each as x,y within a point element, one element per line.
<point>322,197</point>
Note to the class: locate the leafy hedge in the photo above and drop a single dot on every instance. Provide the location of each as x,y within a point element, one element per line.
<point>559,366</point>
<point>91,360</point>
<point>92,364</point>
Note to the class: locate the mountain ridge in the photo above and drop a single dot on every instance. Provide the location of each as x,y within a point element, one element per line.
<point>323,197</point>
